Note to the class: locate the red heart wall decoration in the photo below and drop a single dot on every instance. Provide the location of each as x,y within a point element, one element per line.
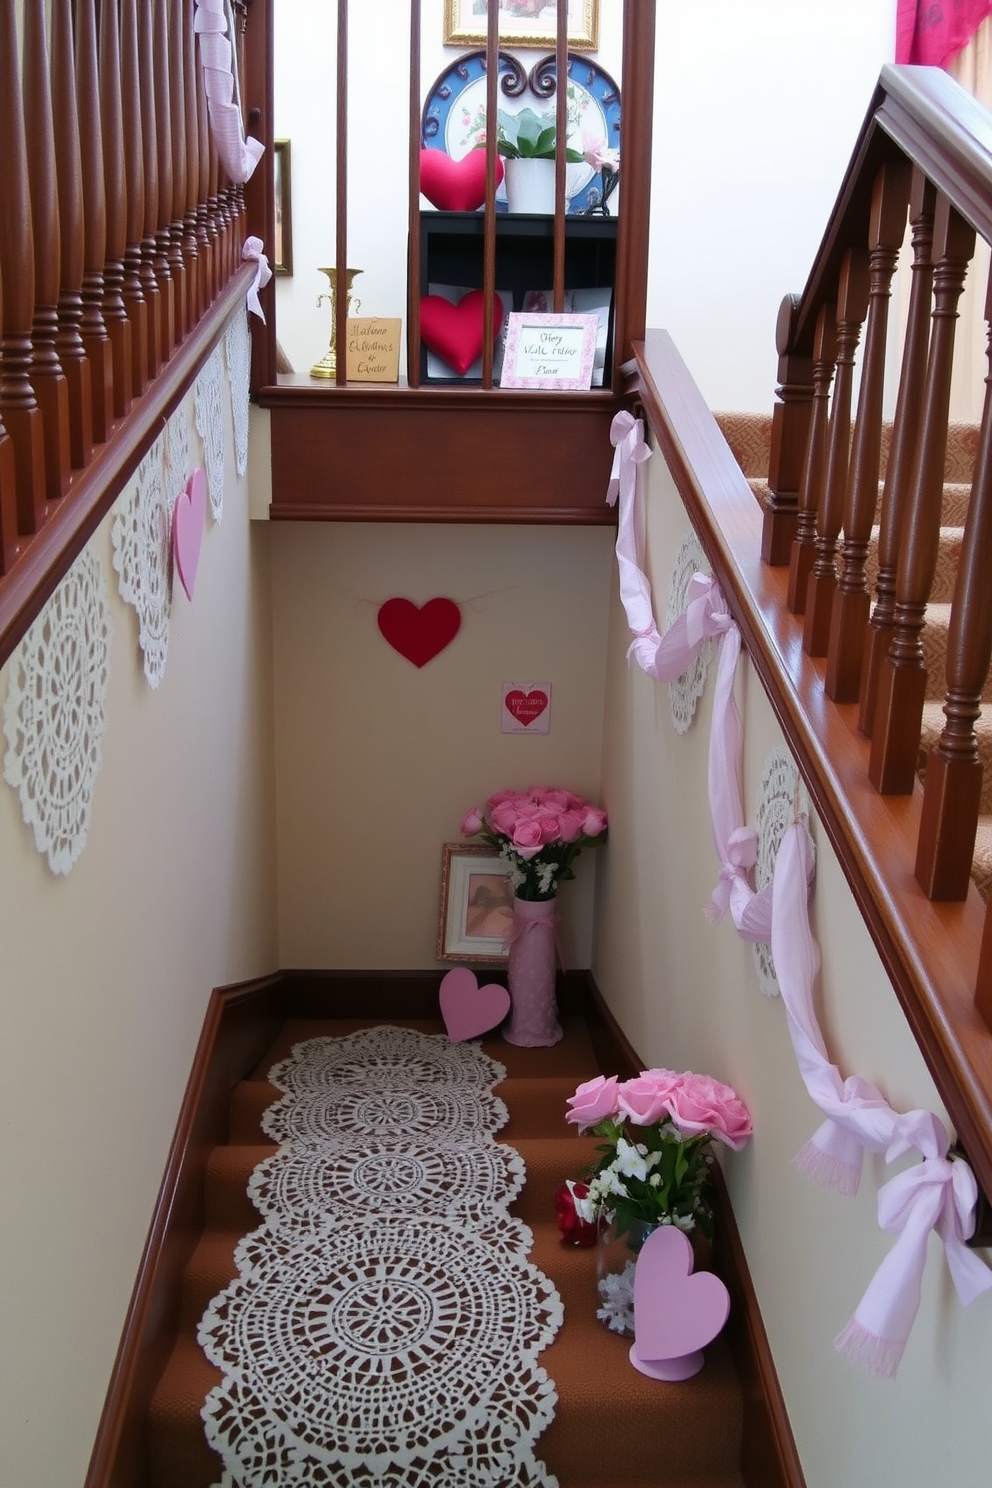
<point>421,633</point>
<point>526,706</point>
<point>456,185</point>
<point>455,332</point>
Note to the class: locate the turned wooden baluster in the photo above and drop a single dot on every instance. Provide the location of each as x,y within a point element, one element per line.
<point>176,87</point>
<point>790,436</point>
<point>953,787</point>
<point>851,605</point>
<point>216,220</point>
<point>18,405</point>
<point>902,452</point>
<point>93,326</point>
<point>852,307</point>
<point>191,252</point>
<point>171,288</point>
<point>206,233</point>
<point>903,676</point>
<point>115,191</point>
<point>814,467</point>
<point>157,292</point>
<point>48,379</point>
<point>9,545</point>
<point>68,165</point>
<point>134,179</point>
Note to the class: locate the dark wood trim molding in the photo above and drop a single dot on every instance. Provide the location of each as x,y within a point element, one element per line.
<point>769,1457</point>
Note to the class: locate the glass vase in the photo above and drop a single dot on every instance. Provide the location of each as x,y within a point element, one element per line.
<point>616,1256</point>
<point>531,964</point>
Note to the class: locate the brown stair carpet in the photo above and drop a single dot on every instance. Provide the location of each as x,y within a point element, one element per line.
<point>613,1428</point>
<point>749,438</point>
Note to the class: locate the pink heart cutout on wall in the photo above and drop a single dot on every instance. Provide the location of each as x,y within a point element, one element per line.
<point>187,529</point>
<point>526,706</point>
<point>676,1313</point>
<point>455,332</point>
<point>421,633</point>
<point>467,1008</point>
<point>456,185</point>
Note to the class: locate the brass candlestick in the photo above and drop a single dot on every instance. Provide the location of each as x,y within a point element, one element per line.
<point>328,364</point>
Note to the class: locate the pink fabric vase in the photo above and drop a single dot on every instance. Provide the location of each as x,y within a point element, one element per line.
<point>533,1019</point>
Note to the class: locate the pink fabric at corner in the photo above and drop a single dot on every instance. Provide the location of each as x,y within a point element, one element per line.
<point>238,156</point>
<point>932,34</point>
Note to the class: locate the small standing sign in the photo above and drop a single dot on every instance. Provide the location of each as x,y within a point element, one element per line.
<point>555,352</point>
<point>374,349</point>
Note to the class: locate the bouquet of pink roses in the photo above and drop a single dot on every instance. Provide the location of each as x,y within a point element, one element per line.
<point>538,833</point>
<point>655,1161</point>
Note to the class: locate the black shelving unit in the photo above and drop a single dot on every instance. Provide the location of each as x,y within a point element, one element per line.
<point>451,252</point>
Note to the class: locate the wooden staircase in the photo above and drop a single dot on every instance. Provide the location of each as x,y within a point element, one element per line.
<point>612,1426</point>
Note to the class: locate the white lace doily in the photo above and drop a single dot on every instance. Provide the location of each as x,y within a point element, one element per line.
<point>178,458</point>
<point>55,713</point>
<point>684,693</point>
<point>142,541</point>
<point>209,405</point>
<point>385,1324</point>
<point>782,796</point>
<point>237,344</point>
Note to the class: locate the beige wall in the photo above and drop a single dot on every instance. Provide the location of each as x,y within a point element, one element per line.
<point>378,761</point>
<point>106,977</point>
<point>687,997</point>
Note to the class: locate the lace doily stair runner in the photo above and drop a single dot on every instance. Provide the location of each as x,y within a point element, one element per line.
<point>385,1324</point>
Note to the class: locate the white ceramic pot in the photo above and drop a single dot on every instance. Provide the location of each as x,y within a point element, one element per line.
<point>530,185</point>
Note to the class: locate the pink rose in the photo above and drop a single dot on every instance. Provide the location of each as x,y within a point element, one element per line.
<point>500,797</point>
<point>594,822</point>
<point>597,153</point>
<point>526,838</point>
<point>570,823</point>
<point>471,823</point>
<point>504,818</point>
<point>645,1099</point>
<point>701,1104</point>
<point>550,829</point>
<point>594,1101</point>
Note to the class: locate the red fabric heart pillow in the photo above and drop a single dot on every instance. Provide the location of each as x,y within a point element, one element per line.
<point>456,185</point>
<point>456,332</point>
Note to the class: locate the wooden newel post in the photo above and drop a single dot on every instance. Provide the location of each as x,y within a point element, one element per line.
<point>790,433</point>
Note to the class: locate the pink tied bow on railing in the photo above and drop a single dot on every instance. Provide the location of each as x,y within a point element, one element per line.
<point>238,155</point>
<point>937,1194</point>
<point>253,250</point>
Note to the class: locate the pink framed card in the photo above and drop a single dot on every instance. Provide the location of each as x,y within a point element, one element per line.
<point>555,352</point>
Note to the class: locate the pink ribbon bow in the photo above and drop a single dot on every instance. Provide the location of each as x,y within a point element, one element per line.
<point>253,250</point>
<point>239,156</point>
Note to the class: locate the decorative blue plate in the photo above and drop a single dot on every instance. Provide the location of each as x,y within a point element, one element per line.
<point>454,116</point>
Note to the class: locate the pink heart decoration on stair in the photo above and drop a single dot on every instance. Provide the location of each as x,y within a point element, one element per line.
<point>456,185</point>
<point>187,529</point>
<point>421,633</point>
<point>676,1313</point>
<point>467,1008</point>
<point>456,332</point>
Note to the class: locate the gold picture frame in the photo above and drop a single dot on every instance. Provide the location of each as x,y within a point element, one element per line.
<point>282,256</point>
<point>476,905</point>
<point>465,25</point>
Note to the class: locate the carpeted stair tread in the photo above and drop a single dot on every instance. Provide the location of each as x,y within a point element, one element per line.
<point>178,1453</point>
<point>549,1161</point>
<point>209,1269</point>
<point>228,1170</point>
<point>981,867</point>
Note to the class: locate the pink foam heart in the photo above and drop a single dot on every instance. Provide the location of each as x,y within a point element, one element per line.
<point>676,1313</point>
<point>526,706</point>
<point>187,529</point>
<point>467,1008</point>
<point>456,332</point>
<point>419,633</point>
<point>456,185</point>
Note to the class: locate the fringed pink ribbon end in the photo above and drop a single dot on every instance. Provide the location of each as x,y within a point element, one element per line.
<point>879,1357</point>
<point>829,1172</point>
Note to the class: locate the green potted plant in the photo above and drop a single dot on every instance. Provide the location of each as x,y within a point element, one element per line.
<point>528,143</point>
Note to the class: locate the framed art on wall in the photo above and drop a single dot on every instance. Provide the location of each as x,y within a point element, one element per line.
<point>522,23</point>
<point>476,905</point>
<point>283,251</point>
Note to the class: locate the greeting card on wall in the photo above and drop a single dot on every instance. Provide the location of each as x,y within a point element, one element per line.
<point>556,352</point>
<point>526,708</point>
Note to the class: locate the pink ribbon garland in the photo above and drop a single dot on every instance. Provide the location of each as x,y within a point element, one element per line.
<point>937,1193</point>
<point>239,156</point>
<point>253,250</point>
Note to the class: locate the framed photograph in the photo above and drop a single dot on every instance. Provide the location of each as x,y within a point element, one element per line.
<point>522,23</point>
<point>282,255</point>
<point>553,352</point>
<point>476,905</point>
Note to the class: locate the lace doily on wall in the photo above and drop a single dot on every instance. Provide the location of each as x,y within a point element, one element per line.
<point>782,796</point>
<point>384,1327</point>
<point>237,344</point>
<point>178,459</point>
<point>55,713</point>
<point>209,405</point>
<point>142,541</point>
<point>685,692</point>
